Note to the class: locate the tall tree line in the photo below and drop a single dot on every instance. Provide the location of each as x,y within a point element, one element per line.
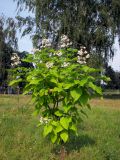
<point>91,23</point>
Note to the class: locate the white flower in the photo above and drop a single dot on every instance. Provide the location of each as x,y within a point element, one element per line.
<point>70,43</point>
<point>17,77</point>
<point>40,61</point>
<point>12,64</point>
<point>15,63</point>
<point>49,64</point>
<point>79,57</point>
<point>64,41</point>
<point>65,64</point>
<point>79,61</point>
<point>46,43</point>
<point>63,45</point>
<point>80,52</point>
<point>59,54</point>
<point>84,58</point>
<point>15,56</point>
<point>44,120</point>
<point>15,59</point>
<point>64,38</point>
<point>88,56</point>
<point>85,52</point>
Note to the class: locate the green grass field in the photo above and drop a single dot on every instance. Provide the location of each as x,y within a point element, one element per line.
<point>20,139</point>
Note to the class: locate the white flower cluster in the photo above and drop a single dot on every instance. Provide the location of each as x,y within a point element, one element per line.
<point>65,64</point>
<point>44,120</point>
<point>82,55</point>
<point>46,43</point>
<point>15,60</point>
<point>64,42</point>
<point>49,64</point>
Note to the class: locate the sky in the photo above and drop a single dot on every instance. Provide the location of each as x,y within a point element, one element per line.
<point>8,8</point>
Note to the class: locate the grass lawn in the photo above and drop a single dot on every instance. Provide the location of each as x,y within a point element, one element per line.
<point>20,139</point>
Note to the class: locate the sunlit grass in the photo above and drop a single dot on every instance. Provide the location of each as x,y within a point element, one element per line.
<point>20,139</point>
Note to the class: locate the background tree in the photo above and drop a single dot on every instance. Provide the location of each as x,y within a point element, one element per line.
<point>90,23</point>
<point>114,76</point>
<point>8,43</point>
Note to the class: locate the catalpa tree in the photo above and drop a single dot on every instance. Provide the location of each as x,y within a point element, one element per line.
<point>61,85</point>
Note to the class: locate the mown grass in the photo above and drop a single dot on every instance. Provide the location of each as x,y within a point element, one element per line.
<point>20,139</point>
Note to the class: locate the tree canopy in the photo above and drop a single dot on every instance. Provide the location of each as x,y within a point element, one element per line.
<point>91,23</point>
<point>8,43</point>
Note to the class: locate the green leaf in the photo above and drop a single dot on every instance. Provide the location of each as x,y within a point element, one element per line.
<point>83,82</point>
<point>85,68</point>
<point>73,127</point>
<point>47,130</point>
<point>54,72</point>
<point>76,93</point>
<point>68,85</point>
<point>43,92</point>
<point>58,129</point>
<point>106,79</point>
<point>64,136</point>
<point>67,108</point>
<point>34,81</point>
<point>64,121</point>
<point>84,98</point>
<point>58,113</point>
<point>53,137</point>
<point>57,89</point>
<point>53,80</point>
<point>14,82</point>
<point>95,88</point>
<point>72,50</point>
<point>36,112</point>
<point>54,123</point>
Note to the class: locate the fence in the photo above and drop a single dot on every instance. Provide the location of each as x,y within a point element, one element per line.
<point>10,90</point>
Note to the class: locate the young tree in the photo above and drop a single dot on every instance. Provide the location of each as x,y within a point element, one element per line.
<point>61,85</point>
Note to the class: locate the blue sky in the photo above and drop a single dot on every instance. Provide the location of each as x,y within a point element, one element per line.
<point>8,8</point>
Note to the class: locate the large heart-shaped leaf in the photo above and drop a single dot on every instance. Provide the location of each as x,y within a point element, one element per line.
<point>76,93</point>
<point>64,136</point>
<point>64,121</point>
<point>47,130</point>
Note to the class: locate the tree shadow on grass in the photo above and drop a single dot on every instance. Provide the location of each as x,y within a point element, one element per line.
<point>76,143</point>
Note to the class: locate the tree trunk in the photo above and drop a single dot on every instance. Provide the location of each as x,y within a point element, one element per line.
<point>62,153</point>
